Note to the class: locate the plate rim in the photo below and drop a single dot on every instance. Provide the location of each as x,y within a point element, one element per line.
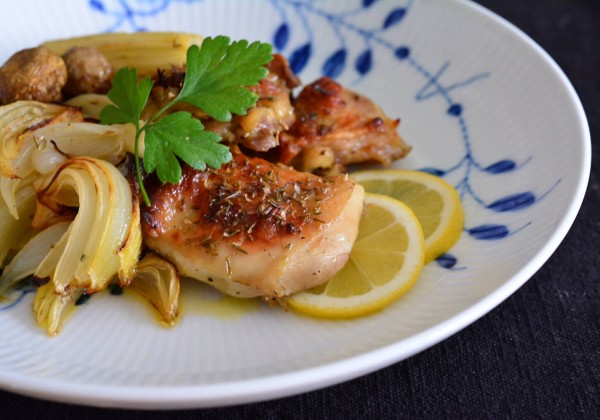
<point>304,380</point>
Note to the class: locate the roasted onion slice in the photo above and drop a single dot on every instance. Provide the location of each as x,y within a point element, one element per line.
<point>50,309</point>
<point>15,119</point>
<point>104,238</point>
<point>157,281</point>
<point>37,138</point>
<point>27,260</point>
<point>12,231</point>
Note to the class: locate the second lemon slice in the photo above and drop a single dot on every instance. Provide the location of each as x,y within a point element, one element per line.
<point>435,203</point>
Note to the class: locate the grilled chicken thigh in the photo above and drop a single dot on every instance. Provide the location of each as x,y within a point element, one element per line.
<point>336,127</point>
<point>253,228</point>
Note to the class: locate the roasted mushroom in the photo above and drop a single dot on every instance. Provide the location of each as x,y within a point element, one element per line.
<point>88,71</point>
<point>33,74</point>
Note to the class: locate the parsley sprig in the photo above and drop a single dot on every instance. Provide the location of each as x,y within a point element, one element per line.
<point>216,80</point>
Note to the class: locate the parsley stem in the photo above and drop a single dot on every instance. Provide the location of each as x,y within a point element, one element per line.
<point>138,132</point>
<point>160,112</point>
<point>138,170</point>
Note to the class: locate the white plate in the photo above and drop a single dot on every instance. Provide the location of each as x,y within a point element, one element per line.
<point>480,103</point>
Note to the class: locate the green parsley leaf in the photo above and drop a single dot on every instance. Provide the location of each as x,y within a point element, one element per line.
<point>129,97</point>
<point>181,135</point>
<point>219,73</point>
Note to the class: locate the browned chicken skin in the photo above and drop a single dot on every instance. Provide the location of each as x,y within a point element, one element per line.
<point>260,128</point>
<point>336,127</point>
<point>253,228</point>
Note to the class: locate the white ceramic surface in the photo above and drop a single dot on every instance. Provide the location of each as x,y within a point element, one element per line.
<point>481,104</point>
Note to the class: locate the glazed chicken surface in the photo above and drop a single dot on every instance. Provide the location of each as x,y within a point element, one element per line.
<point>336,127</point>
<point>254,228</point>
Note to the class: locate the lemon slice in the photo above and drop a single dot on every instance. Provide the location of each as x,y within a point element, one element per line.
<point>385,262</point>
<point>435,203</point>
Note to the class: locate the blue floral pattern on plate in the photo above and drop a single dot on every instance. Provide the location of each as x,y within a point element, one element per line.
<point>126,13</point>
